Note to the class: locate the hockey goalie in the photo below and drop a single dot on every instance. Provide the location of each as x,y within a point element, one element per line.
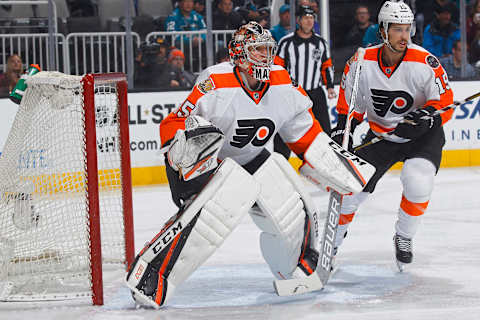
<point>219,170</point>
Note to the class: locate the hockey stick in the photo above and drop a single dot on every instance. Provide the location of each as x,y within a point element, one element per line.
<point>319,278</point>
<point>439,111</point>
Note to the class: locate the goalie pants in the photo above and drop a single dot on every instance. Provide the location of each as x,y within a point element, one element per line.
<point>421,159</point>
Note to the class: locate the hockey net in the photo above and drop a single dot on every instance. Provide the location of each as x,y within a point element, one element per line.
<point>65,188</point>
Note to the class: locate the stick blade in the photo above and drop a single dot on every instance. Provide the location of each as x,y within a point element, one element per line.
<point>291,287</point>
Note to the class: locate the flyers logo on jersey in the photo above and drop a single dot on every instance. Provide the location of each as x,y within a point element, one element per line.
<point>397,102</point>
<point>256,131</point>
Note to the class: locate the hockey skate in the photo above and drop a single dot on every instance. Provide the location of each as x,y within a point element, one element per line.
<point>403,251</point>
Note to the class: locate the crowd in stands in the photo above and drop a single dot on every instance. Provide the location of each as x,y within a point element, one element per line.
<point>352,24</point>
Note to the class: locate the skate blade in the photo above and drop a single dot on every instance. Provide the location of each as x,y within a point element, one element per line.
<point>400,265</point>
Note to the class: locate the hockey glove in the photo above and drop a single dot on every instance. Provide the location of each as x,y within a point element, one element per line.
<point>417,123</point>
<point>339,131</point>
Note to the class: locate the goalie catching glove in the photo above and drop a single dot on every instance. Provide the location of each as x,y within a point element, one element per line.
<point>194,150</point>
<point>328,165</point>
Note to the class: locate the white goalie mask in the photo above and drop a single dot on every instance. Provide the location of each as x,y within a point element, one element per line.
<point>253,49</point>
<point>395,12</point>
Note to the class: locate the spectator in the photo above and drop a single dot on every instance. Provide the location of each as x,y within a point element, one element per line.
<point>362,22</point>
<point>281,29</point>
<point>176,76</point>
<point>82,8</point>
<point>184,18</point>
<point>439,36</point>
<point>199,7</point>
<point>222,55</point>
<point>473,22</point>
<point>247,9</point>
<point>150,65</point>
<point>371,36</point>
<point>453,64</point>
<point>264,17</point>
<point>314,5</point>
<point>9,79</point>
<point>224,18</point>
<point>475,51</point>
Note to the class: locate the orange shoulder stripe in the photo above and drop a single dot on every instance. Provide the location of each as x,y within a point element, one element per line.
<point>371,54</point>
<point>416,55</point>
<point>224,80</point>
<point>278,77</point>
<point>279,61</point>
<point>300,146</point>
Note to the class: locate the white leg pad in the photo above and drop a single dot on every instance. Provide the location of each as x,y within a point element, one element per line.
<point>218,209</point>
<point>283,204</point>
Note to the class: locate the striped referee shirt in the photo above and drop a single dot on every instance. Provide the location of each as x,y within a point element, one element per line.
<point>307,61</point>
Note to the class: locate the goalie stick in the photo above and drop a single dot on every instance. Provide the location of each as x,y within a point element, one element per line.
<point>439,111</point>
<point>319,278</point>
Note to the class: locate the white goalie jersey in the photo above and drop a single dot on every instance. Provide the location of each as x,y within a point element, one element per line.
<point>248,119</point>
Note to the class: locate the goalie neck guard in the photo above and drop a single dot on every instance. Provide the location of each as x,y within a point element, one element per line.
<point>253,48</point>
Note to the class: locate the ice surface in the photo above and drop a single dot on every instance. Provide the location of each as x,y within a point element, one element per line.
<point>235,283</point>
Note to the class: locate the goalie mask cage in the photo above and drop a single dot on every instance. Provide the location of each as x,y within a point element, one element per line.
<point>65,186</point>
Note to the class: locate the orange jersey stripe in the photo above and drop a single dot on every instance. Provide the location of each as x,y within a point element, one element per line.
<point>300,146</point>
<point>378,128</point>
<point>278,77</point>
<point>416,55</point>
<point>224,80</point>
<point>302,91</point>
<point>346,218</point>
<point>371,54</point>
<point>279,61</point>
<point>169,126</point>
<point>358,116</point>
<point>412,208</point>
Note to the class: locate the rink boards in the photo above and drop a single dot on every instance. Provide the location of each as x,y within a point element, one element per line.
<point>147,110</point>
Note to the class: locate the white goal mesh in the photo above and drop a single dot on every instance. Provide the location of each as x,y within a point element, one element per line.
<point>46,206</point>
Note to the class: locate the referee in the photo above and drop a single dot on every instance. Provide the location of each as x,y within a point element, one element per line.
<point>306,57</point>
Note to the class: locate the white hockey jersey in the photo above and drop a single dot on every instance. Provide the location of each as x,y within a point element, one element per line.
<point>248,119</point>
<point>387,94</point>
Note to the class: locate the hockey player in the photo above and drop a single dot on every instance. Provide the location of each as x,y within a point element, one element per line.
<point>229,117</point>
<point>401,87</point>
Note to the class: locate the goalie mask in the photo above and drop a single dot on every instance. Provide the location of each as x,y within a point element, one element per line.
<point>395,12</point>
<point>253,48</point>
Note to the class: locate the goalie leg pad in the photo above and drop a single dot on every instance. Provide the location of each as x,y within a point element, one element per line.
<point>286,214</point>
<point>192,235</point>
<point>329,165</point>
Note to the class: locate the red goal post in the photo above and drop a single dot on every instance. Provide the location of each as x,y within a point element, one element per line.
<point>65,186</point>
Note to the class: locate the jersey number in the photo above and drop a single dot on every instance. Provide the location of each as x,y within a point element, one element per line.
<point>442,85</point>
